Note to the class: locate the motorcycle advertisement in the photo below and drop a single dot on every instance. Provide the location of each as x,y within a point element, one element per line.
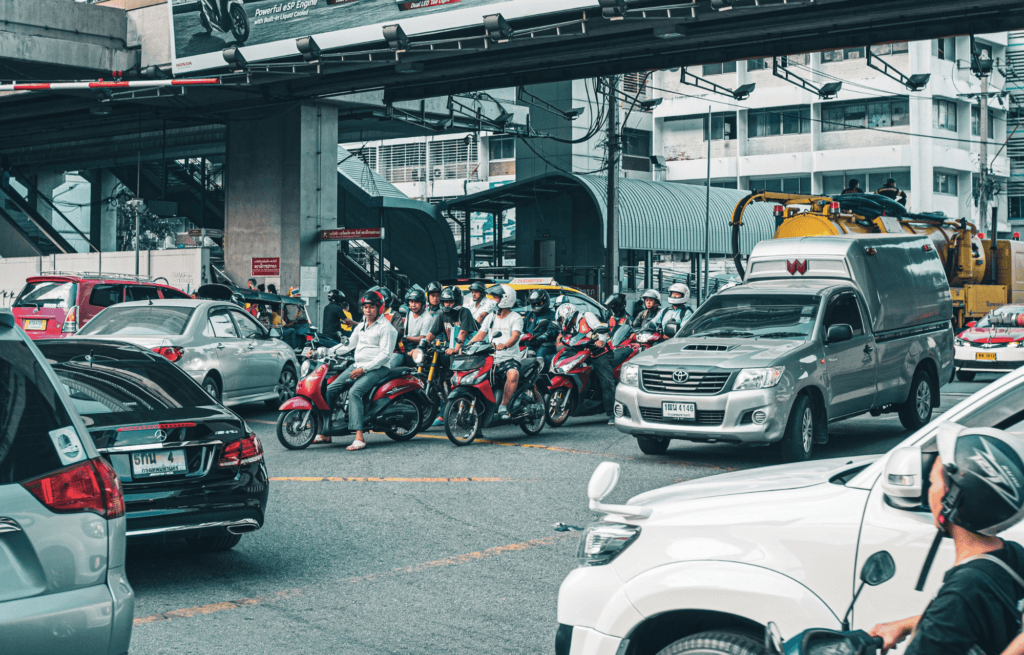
<point>267,29</point>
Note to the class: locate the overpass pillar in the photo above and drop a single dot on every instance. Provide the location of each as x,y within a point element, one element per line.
<point>281,189</point>
<point>102,212</point>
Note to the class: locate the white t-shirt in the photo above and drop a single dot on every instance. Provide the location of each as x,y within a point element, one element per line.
<point>418,326</point>
<point>494,324</point>
<point>479,309</point>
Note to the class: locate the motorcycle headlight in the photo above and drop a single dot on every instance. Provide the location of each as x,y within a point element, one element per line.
<point>304,369</point>
<point>602,542</point>
<point>570,364</point>
<point>417,356</point>
<point>474,378</point>
<point>630,375</point>
<point>832,645</point>
<point>758,378</point>
<point>644,337</point>
<point>321,352</point>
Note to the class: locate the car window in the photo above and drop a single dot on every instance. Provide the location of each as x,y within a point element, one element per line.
<point>843,309</point>
<point>1005,411</point>
<point>105,295</point>
<point>174,294</point>
<point>102,385</point>
<point>33,419</point>
<point>155,320</point>
<point>48,293</point>
<point>247,326</point>
<point>140,292</point>
<point>220,326</point>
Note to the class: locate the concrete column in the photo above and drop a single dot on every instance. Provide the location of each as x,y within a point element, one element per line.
<point>281,189</point>
<point>46,183</point>
<point>102,215</point>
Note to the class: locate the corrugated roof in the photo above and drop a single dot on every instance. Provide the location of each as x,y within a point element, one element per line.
<point>353,168</point>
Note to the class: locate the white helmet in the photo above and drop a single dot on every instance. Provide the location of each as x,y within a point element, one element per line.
<point>679,287</point>
<point>652,293</point>
<point>508,297</point>
<point>566,312</point>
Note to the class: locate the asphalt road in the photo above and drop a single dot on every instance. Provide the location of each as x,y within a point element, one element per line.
<point>419,547</point>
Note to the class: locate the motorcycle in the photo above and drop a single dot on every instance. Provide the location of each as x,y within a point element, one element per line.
<point>877,569</point>
<point>396,404</point>
<point>476,395</point>
<point>225,16</point>
<point>427,358</point>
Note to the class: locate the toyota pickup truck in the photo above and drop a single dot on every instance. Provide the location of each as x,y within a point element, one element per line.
<point>822,329</point>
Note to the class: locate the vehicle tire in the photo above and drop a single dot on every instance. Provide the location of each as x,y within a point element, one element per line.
<point>296,428</point>
<point>916,411</point>
<point>404,433</point>
<point>534,427</point>
<point>205,22</point>
<point>554,402</point>
<point>215,544</point>
<point>212,387</point>
<point>965,376</point>
<point>797,441</point>
<point>239,23</point>
<point>714,642</point>
<point>286,384</point>
<point>461,428</point>
<point>430,414</point>
<point>653,445</point>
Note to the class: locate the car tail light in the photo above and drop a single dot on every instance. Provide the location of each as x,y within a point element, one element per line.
<point>91,486</point>
<point>244,451</point>
<point>71,320</point>
<point>172,353</point>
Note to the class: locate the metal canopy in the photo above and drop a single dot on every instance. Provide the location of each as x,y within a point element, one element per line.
<point>662,216</point>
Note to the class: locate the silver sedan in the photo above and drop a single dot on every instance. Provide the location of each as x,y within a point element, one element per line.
<point>221,346</point>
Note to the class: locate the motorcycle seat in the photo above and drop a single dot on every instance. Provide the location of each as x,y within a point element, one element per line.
<point>397,372</point>
<point>527,363</point>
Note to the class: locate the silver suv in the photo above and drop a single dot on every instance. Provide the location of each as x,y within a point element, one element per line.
<point>62,528</point>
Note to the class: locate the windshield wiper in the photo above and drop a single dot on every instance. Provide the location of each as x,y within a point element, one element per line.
<point>780,335</point>
<point>725,332</point>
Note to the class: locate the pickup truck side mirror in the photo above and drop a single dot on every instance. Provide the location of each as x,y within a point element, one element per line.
<point>276,333</point>
<point>838,332</point>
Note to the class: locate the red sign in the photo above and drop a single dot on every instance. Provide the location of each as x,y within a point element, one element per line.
<point>354,233</point>
<point>266,266</point>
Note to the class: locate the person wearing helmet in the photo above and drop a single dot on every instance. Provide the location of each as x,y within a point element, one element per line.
<point>334,315</point>
<point>454,322</point>
<point>373,341</point>
<point>893,192</point>
<point>679,309</point>
<point>296,324</point>
<point>503,330</point>
<point>434,299</point>
<point>389,312</point>
<point>540,310</point>
<point>576,322</point>
<point>616,304</point>
<point>652,307</point>
<point>477,302</point>
<point>416,324</point>
<point>976,490</point>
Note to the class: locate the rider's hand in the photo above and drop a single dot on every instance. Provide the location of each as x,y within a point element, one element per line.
<point>894,632</point>
<point>356,374</point>
<point>449,351</point>
<point>499,346</point>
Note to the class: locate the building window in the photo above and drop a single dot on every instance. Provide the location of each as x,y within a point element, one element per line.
<point>944,183</point>
<point>636,150</point>
<point>782,120</point>
<point>976,122</point>
<point>890,48</point>
<point>765,63</point>
<point>367,155</point>
<point>502,147</point>
<point>782,184</point>
<point>723,127</point>
<point>830,56</point>
<point>855,115</point>
<point>453,159</point>
<point>1016,207</point>
<point>944,114</point>
<point>403,162</point>
<point>719,69</point>
<point>876,181</point>
<point>760,63</point>
<point>944,48</point>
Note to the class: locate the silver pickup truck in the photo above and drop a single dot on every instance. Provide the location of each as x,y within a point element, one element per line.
<point>822,329</point>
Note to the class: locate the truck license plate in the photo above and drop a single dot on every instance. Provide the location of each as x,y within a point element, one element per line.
<point>684,411</point>
<point>990,357</point>
<point>154,463</point>
<point>35,324</point>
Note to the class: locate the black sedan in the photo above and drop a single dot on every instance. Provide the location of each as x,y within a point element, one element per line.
<point>189,467</point>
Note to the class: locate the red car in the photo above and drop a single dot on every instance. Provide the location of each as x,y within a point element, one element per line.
<point>57,305</point>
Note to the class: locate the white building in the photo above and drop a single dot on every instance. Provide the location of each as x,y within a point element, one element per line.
<point>785,138</point>
<point>1015,126</point>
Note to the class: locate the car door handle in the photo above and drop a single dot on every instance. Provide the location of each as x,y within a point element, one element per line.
<point>251,346</point>
<point>868,348</point>
<point>219,345</point>
<point>9,525</point>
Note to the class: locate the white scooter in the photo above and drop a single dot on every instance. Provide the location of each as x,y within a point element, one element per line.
<point>224,16</point>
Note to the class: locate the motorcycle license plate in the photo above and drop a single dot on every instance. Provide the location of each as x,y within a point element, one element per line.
<point>989,357</point>
<point>679,411</point>
<point>154,463</point>
<point>35,324</point>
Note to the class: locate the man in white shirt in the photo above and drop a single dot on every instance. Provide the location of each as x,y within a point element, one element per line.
<point>415,325</point>
<point>373,341</point>
<point>504,329</point>
<point>478,303</point>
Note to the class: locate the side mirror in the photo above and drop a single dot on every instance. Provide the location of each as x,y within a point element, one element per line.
<point>838,333</point>
<point>671,329</point>
<point>877,569</point>
<point>276,333</point>
<point>603,481</point>
<point>905,478</point>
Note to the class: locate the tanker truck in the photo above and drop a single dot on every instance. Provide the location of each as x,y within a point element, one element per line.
<point>978,284</point>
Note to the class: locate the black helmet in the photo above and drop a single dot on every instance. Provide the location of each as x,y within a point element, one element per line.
<point>335,296</point>
<point>433,287</point>
<point>538,300</point>
<point>452,294</point>
<point>416,294</point>
<point>616,302</point>
<point>984,471</point>
<point>478,286</point>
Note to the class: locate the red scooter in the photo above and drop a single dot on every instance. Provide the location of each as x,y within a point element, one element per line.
<point>397,404</point>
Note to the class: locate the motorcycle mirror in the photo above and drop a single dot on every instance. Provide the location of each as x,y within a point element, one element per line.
<point>542,325</point>
<point>671,329</point>
<point>773,638</point>
<point>650,325</point>
<point>878,568</point>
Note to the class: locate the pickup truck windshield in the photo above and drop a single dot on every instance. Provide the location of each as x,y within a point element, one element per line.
<point>762,316</point>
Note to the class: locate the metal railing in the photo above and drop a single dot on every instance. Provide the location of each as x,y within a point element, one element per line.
<point>632,279</point>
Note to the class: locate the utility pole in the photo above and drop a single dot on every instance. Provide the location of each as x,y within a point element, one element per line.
<point>983,175</point>
<point>613,164</point>
<point>707,222</point>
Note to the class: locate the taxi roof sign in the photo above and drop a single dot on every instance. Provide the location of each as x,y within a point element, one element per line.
<point>534,280</point>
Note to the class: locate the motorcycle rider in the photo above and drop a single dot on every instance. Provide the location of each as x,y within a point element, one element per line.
<point>504,329</point>
<point>434,298</point>
<point>620,323</point>
<point>652,306</point>
<point>477,302</point>
<point>540,310</point>
<point>334,315</point>
<point>575,322</point>
<point>974,494</point>
<point>415,325</point>
<point>373,341</point>
<point>454,321</point>
<point>679,309</point>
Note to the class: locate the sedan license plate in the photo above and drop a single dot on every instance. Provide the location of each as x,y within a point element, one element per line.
<point>989,357</point>
<point>153,463</point>
<point>35,324</point>
<point>682,411</point>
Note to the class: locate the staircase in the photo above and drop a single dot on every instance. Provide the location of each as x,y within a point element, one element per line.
<point>359,269</point>
<point>28,224</point>
<point>184,186</point>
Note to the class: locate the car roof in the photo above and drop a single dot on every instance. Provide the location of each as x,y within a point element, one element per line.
<point>113,279</point>
<point>791,286</point>
<point>176,302</point>
<point>61,350</point>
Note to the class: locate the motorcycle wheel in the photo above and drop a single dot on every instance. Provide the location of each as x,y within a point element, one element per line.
<point>297,428</point>
<point>460,423</point>
<point>239,23</point>
<point>430,413</point>
<point>411,427</point>
<point>205,22</point>
<point>535,426</point>
<point>552,415</point>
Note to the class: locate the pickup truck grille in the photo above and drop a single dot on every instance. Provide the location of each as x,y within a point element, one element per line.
<point>697,383</point>
<point>653,415</point>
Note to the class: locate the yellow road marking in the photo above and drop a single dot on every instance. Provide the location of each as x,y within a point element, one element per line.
<point>368,479</point>
<point>464,558</point>
<point>252,420</point>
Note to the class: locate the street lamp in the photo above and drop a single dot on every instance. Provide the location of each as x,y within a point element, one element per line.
<point>396,38</point>
<point>234,58</point>
<point>498,28</point>
<point>309,49</point>
<point>613,9</point>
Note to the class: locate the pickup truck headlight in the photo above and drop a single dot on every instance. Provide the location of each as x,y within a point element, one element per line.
<point>758,378</point>
<point>630,375</point>
<point>602,542</point>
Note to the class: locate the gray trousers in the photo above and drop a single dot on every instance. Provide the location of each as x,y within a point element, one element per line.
<point>357,394</point>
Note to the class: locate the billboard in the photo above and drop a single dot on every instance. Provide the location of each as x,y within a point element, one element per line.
<point>267,29</point>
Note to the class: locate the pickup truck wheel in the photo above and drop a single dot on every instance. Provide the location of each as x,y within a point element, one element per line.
<point>715,643</point>
<point>917,410</point>
<point>965,376</point>
<point>797,442</point>
<point>653,445</point>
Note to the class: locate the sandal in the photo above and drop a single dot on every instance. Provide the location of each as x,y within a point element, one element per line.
<point>358,444</point>
<point>321,439</point>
